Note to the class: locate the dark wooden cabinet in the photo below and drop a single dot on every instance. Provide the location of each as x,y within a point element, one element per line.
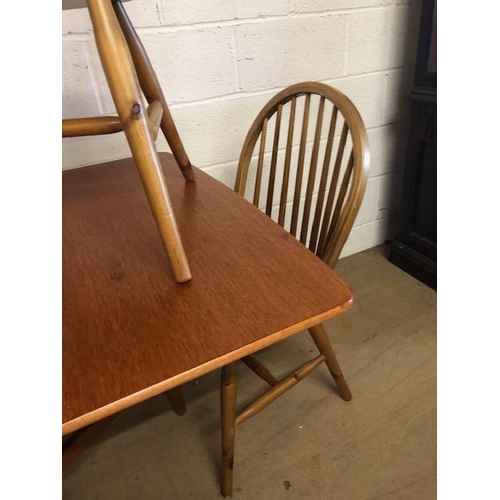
<point>415,248</point>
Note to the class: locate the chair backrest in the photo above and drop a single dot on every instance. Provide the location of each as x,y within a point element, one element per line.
<point>320,207</point>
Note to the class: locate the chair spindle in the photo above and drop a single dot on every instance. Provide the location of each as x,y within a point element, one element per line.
<point>324,177</point>
<point>312,172</point>
<point>300,166</point>
<point>274,159</point>
<point>260,163</point>
<point>341,197</point>
<point>333,188</point>
<point>286,170</point>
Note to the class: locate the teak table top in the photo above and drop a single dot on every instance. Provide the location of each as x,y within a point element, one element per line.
<point>129,331</point>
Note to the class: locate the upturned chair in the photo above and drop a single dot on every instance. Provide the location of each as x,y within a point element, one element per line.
<point>319,209</point>
<point>129,75</point>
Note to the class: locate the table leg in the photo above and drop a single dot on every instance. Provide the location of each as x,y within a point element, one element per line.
<point>177,400</point>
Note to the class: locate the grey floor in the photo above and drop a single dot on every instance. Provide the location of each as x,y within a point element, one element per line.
<point>309,444</point>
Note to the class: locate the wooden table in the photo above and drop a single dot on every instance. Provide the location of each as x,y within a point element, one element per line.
<point>129,331</point>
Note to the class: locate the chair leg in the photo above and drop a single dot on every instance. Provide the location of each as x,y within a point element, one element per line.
<point>228,426</point>
<point>152,89</point>
<point>323,344</point>
<point>127,96</point>
<point>177,400</point>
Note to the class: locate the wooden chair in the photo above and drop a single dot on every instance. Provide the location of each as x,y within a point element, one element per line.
<point>322,224</point>
<point>129,74</point>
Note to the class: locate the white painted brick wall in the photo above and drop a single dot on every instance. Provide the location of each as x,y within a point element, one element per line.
<point>220,61</point>
<point>281,51</point>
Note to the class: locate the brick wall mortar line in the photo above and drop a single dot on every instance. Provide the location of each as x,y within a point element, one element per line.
<point>252,20</point>
<point>255,93</point>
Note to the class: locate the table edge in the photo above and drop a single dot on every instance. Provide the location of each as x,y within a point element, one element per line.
<point>154,390</point>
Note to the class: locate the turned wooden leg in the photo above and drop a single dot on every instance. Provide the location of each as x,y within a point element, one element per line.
<point>127,96</point>
<point>177,400</point>
<point>323,344</point>
<point>228,426</point>
<point>152,89</point>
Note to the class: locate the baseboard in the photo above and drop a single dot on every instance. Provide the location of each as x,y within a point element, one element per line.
<point>415,264</point>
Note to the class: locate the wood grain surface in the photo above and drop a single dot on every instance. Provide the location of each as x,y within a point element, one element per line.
<point>129,331</point>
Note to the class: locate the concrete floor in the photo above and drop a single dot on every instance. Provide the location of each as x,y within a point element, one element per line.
<point>309,444</point>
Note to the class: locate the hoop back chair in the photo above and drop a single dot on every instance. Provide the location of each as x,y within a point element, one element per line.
<point>319,209</point>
